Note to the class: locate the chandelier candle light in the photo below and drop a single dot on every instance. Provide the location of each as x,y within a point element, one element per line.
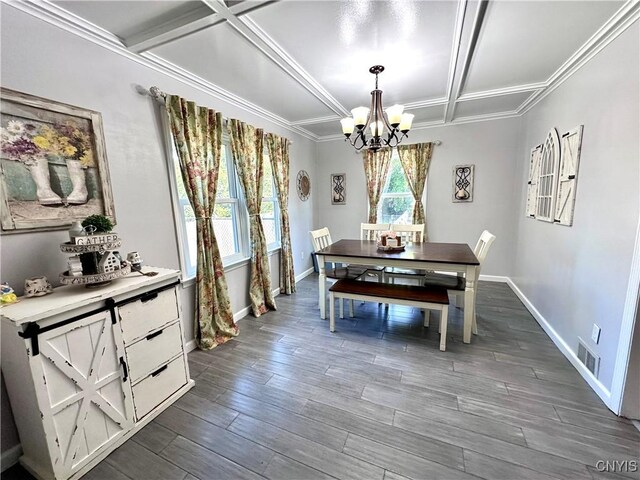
<point>396,123</point>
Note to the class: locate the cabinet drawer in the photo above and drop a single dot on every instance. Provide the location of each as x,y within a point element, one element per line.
<point>158,386</point>
<point>157,348</point>
<point>155,310</point>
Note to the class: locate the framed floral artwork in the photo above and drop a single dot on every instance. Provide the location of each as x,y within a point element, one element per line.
<point>53,164</point>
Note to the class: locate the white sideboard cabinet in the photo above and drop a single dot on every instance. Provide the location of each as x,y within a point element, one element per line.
<point>86,369</point>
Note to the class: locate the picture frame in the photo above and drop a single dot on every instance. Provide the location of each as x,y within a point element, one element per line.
<point>338,189</point>
<point>463,183</point>
<point>53,164</point>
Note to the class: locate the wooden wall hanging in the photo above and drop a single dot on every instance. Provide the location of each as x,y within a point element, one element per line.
<point>568,176</point>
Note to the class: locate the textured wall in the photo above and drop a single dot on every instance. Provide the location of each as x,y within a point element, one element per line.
<point>577,276</point>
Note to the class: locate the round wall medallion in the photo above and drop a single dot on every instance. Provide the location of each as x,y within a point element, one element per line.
<point>304,185</point>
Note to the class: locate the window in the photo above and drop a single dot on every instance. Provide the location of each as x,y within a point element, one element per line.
<point>230,218</point>
<point>396,202</point>
<point>269,210</point>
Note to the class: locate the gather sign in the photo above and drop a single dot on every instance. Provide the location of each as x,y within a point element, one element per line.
<point>96,239</point>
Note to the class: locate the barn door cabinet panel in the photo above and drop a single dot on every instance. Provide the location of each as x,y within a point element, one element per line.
<point>86,369</point>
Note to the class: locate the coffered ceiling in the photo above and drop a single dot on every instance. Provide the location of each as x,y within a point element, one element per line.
<point>304,64</point>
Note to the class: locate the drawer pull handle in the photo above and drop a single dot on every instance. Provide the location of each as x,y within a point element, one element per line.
<point>148,296</point>
<point>159,371</point>
<point>125,370</point>
<point>154,334</point>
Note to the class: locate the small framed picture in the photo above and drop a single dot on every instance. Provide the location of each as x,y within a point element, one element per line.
<point>338,189</point>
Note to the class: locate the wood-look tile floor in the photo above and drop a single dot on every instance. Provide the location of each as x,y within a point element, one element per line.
<point>288,400</point>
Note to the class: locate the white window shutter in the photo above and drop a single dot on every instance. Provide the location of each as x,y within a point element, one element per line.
<point>568,176</point>
<point>532,183</point>
<point>548,177</point>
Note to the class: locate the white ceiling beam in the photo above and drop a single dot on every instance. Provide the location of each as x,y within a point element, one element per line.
<point>455,53</point>
<point>189,23</point>
<point>462,63</point>
<point>248,29</point>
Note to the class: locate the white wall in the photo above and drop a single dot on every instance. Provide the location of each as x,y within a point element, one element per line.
<point>490,145</point>
<point>576,276</point>
<point>46,61</point>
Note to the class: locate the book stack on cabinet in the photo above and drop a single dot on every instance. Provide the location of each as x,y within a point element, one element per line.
<point>87,369</point>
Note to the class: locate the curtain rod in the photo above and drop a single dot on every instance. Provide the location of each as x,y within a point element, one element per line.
<point>160,96</point>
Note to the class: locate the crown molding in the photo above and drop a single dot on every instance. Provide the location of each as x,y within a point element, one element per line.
<point>51,13</point>
<point>626,16</point>
<point>71,23</point>
<point>498,92</point>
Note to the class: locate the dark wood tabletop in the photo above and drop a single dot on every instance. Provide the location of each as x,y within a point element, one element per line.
<point>458,253</point>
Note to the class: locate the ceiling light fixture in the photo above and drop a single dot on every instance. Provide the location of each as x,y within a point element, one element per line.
<point>396,123</point>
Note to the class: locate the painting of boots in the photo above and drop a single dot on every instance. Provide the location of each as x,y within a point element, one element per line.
<point>53,164</point>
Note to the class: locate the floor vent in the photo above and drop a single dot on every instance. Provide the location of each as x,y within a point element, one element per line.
<point>590,359</point>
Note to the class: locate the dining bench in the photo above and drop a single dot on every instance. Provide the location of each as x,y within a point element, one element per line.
<point>427,298</point>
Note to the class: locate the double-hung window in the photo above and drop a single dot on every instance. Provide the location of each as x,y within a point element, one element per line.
<point>230,217</point>
<point>269,210</point>
<point>396,201</point>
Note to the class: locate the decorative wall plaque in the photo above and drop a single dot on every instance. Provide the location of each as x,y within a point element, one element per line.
<point>463,183</point>
<point>304,185</point>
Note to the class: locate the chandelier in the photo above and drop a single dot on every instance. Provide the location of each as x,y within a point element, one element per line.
<point>396,123</point>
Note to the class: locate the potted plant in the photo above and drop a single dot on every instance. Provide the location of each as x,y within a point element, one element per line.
<point>94,224</point>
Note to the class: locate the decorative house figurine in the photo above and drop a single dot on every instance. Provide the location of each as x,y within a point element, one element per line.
<point>75,266</point>
<point>108,263</point>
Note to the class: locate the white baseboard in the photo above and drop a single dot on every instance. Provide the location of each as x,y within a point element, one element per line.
<point>593,382</point>
<point>10,457</point>
<point>304,274</point>
<point>494,278</point>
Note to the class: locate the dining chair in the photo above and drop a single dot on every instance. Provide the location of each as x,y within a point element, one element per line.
<point>372,231</point>
<point>456,285</point>
<point>320,239</point>
<point>407,234</point>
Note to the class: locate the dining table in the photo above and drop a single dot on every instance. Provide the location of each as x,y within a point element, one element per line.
<point>456,258</point>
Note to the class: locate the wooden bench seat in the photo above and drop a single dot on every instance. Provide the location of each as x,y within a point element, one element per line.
<point>428,298</point>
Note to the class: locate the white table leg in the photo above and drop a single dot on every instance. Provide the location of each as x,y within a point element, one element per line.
<point>322,279</point>
<point>444,315</point>
<point>427,315</point>
<point>332,311</point>
<point>469,299</point>
<point>341,300</point>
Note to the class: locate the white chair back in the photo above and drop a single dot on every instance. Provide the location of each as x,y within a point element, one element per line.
<point>372,231</point>
<point>321,238</point>
<point>482,247</point>
<point>409,233</point>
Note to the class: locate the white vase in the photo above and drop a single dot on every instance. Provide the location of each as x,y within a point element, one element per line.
<point>77,175</point>
<point>41,177</point>
<point>76,230</point>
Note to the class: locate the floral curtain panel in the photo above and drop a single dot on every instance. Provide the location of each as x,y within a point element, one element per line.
<point>279,155</point>
<point>197,135</point>
<point>247,146</point>
<point>415,160</point>
<point>376,169</point>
